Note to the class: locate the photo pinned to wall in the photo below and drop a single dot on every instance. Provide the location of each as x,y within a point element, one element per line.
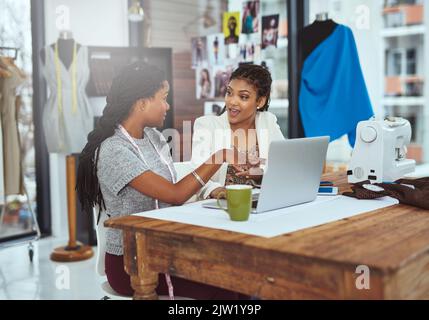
<point>232,53</point>
<point>247,52</point>
<point>214,108</point>
<point>231,27</point>
<point>204,80</point>
<point>250,19</point>
<point>270,30</point>
<point>199,51</point>
<point>222,74</point>
<point>216,49</point>
<point>249,48</point>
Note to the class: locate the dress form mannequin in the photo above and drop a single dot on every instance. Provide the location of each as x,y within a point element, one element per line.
<point>68,115</point>
<point>322,16</point>
<point>66,48</point>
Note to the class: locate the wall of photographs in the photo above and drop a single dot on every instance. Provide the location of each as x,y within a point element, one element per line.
<point>252,32</point>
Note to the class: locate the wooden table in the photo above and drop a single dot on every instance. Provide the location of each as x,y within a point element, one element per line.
<point>316,263</point>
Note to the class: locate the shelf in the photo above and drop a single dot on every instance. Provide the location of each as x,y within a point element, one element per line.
<point>404,101</point>
<point>403,31</point>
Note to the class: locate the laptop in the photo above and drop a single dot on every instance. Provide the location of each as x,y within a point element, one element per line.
<point>292,175</point>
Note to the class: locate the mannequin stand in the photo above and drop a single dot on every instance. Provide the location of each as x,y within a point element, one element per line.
<point>74,251</point>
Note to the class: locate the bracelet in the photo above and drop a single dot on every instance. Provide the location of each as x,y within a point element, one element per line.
<point>202,183</point>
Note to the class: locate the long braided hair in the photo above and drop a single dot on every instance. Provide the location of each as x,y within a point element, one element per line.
<point>134,82</point>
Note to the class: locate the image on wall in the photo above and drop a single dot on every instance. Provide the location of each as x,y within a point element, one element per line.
<point>214,108</point>
<point>221,79</point>
<point>249,52</point>
<point>231,27</point>
<point>204,88</point>
<point>270,30</point>
<point>232,53</point>
<point>216,49</point>
<point>250,19</point>
<point>199,51</point>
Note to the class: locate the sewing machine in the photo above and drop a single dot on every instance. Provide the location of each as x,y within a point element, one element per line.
<point>380,151</point>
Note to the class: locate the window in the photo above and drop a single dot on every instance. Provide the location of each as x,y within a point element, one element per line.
<point>15,31</point>
<point>411,62</point>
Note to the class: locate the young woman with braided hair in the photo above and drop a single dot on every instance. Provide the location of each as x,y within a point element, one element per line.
<point>126,168</point>
<point>245,125</point>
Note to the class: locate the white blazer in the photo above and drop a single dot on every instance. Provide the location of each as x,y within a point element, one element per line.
<point>213,133</point>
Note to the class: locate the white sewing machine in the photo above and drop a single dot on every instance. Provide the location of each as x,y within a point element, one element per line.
<point>380,151</point>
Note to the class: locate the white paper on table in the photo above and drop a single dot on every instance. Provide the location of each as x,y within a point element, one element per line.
<point>275,223</point>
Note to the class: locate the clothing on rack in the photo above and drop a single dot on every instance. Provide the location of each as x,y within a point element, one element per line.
<point>413,192</point>
<point>2,74</point>
<point>67,117</point>
<point>333,97</point>
<point>11,149</point>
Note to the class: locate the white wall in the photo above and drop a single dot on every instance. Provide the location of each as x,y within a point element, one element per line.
<point>93,23</point>
<point>174,22</point>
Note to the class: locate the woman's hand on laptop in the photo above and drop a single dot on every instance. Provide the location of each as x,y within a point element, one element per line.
<point>214,194</point>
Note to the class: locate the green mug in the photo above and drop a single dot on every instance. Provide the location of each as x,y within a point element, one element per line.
<point>239,201</point>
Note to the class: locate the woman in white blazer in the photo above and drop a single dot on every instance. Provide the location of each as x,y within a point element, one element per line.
<point>245,125</point>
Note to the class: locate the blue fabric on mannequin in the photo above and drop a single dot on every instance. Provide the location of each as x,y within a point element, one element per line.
<point>333,95</point>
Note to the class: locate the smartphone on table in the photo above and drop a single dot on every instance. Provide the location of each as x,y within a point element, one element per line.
<point>328,191</point>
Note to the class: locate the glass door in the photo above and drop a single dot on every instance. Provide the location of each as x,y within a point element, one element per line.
<point>17,165</point>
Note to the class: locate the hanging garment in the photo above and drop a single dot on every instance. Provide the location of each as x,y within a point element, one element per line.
<point>333,95</point>
<point>12,173</point>
<point>67,116</point>
<point>2,194</point>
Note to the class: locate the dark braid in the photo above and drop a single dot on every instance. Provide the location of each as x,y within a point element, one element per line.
<point>136,81</point>
<point>257,76</point>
